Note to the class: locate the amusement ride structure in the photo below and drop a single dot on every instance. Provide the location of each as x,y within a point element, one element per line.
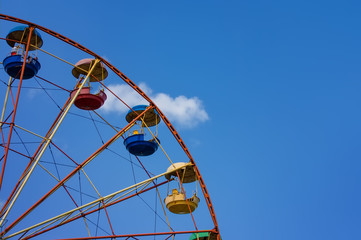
<point>73,170</point>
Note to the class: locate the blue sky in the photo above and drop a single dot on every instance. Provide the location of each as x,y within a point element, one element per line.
<point>278,82</point>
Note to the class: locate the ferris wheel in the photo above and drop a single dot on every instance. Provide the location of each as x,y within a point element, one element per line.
<point>72,170</point>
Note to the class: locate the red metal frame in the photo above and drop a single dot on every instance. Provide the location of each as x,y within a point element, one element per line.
<point>143,234</point>
<point>137,89</point>
<point>29,164</point>
<point>77,169</point>
<point>15,108</point>
<point>97,209</point>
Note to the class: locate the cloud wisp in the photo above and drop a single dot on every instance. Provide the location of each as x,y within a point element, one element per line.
<point>183,111</point>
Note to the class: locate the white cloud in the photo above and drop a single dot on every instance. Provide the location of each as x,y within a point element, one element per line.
<point>186,112</point>
<point>125,93</point>
<point>32,93</point>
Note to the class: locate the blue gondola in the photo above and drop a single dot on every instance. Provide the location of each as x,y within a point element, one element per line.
<point>18,38</point>
<point>21,33</point>
<point>13,65</point>
<point>137,146</point>
<point>135,143</point>
<point>150,118</point>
